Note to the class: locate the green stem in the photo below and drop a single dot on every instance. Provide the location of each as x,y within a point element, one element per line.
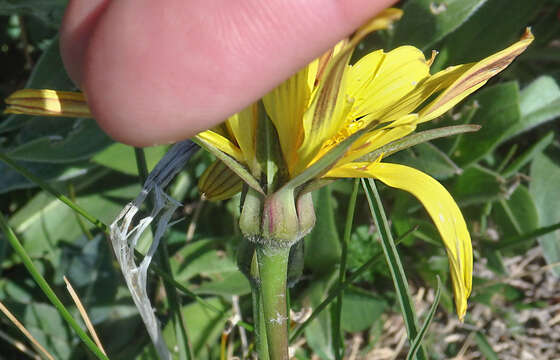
<point>273,270</point>
<point>394,262</point>
<point>19,249</point>
<point>258,314</point>
<point>339,288</point>
<point>23,171</point>
<point>338,341</point>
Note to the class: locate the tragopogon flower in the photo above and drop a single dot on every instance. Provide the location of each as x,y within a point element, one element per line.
<point>377,100</point>
<point>327,118</point>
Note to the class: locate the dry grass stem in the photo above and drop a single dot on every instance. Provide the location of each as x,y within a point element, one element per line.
<point>22,328</point>
<point>19,345</point>
<point>84,314</point>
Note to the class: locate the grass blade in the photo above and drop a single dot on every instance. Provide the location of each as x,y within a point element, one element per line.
<point>394,262</point>
<point>485,347</point>
<point>415,346</point>
<point>43,185</point>
<point>18,248</point>
<point>338,342</point>
<point>337,290</point>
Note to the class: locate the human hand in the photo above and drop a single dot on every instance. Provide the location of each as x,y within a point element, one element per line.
<point>161,71</point>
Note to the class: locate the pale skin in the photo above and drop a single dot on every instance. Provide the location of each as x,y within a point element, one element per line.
<point>157,72</point>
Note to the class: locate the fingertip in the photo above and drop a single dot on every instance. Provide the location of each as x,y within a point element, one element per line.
<point>78,23</point>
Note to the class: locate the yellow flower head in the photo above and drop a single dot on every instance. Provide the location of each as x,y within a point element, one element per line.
<point>328,104</point>
<point>380,98</point>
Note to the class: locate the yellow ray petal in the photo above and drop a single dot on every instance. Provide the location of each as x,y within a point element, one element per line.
<point>243,127</point>
<point>379,80</point>
<point>330,105</point>
<point>442,209</point>
<point>474,77</point>
<point>219,182</point>
<point>48,103</point>
<point>222,143</point>
<point>286,105</point>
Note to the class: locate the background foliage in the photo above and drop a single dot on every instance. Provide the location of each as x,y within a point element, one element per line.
<point>505,178</point>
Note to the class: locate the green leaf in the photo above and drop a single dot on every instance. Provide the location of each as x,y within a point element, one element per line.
<point>360,310</point>
<point>45,221</point>
<point>201,258</point>
<point>494,26</point>
<point>546,193</point>
<point>227,283</point>
<point>516,215</point>
<point>529,155</point>
<point>429,159</point>
<point>539,102</point>
<point>477,185</point>
<point>498,111</point>
<point>49,11</point>
<point>415,345</point>
<point>119,157</point>
<point>81,142</point>
<point>322,245</point>
<point>319,332</point>
<point>393,261</point>
<point>485,347</point>
<point>45,323</point>
<point>12,180</point>
<point>425,22</point>
<point>203,326</point>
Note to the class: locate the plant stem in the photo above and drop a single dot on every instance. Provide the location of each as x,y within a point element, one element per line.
<point>49,293</point>
<point>273,270</point>
<point>258,318</point>
<point>338,338</point>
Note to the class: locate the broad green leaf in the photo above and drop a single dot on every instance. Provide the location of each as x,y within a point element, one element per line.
<point>80,143</point>
<point>203,326</point>
<point>425,22</point>
<point>88,265</point>
<point>12,180</point>
<point>201,258</point>
<point>429,159</point>
<point>44,322</point>
<point>544,187</point>
<point>539,102</point>
<point>322,245</point>
<point>477,185</point>
<point>319,332</point>
<point>360,310</point>
<point>225,284</point>
<point>517,214</point>
<point>120,157</point>
<point>45,221</point>
<point>529,155</point>
<point>495,25</point>
<point>498,111</point>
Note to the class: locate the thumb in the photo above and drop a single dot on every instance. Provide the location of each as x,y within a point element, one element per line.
<point>160,72</point>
